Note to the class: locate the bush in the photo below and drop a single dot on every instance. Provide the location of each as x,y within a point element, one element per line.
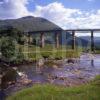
<point>8,78</point>
<point>34,56</point>
<point>8,49</point>
<point>19,57</point>
<point>46,54</point>
<point>58,55</point>
<point>72,54</point>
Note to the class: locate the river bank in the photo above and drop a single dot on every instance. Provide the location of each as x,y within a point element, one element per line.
<point>48,92</point>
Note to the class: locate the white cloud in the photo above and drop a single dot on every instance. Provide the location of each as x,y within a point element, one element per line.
<point>13,8</point>
<point>55,12</point>
<point>69,18</point>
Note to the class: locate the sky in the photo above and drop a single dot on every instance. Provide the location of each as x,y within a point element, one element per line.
<point>68,14</point>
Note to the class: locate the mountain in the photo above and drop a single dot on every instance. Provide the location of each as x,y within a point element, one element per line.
<point>29,23</point>
<point>96,40</point>
<point>88,38</point>
<point>66,39</point>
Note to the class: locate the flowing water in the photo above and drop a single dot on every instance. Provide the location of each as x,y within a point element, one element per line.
<point>86,68</point>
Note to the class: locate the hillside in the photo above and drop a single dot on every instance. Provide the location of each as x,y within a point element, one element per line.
<point>88,38</point>
<point>96,40</point>
<point>29,23</point>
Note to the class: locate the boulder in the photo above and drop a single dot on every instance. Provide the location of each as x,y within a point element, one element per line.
<point>71,61</point>
<point>25,81</point>
<point>55,66</point>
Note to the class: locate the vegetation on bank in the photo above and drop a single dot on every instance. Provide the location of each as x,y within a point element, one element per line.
<point>97,48</point>
<point>17,53</point>
<point>50,53</point>
<point>97,51</point>
<point>90,91</point>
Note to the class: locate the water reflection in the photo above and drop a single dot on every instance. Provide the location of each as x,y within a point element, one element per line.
<point>92,63</point>
<point>2,95</point>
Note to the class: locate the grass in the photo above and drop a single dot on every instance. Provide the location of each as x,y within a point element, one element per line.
<point>97,51</point>
<point>35,52</point>
<point>90,91</point>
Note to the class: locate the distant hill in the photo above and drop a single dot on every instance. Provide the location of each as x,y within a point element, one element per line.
<point>88,38</point>
<point>67,40</point>
<point>29,23</point>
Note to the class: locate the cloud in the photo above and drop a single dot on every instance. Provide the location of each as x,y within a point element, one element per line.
<point>56,12</point>
<point>13,8</point>
<point>69,18</point>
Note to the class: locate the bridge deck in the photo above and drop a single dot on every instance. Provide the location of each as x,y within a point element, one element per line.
<point>83,30</point>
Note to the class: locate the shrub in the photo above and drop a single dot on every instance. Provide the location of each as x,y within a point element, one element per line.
<point>46,54</point>
<point>8,49</point>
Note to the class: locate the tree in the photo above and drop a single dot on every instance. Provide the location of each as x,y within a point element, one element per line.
<point>8,49</point>
<point>12,32</point>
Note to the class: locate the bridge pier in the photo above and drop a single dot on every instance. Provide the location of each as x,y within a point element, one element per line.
<point>73,40</point>
<point>92,41</point>
<point>57,40</point>
<point>30,38</point>
<point>42,40</point>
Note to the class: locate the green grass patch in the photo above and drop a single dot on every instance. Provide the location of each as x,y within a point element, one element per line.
<point>56,54</point>
<point>90,91</point>
<point>97,51</point>
<point>32,52</point>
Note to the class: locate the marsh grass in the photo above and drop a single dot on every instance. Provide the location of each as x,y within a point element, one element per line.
<point>35,53</point>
